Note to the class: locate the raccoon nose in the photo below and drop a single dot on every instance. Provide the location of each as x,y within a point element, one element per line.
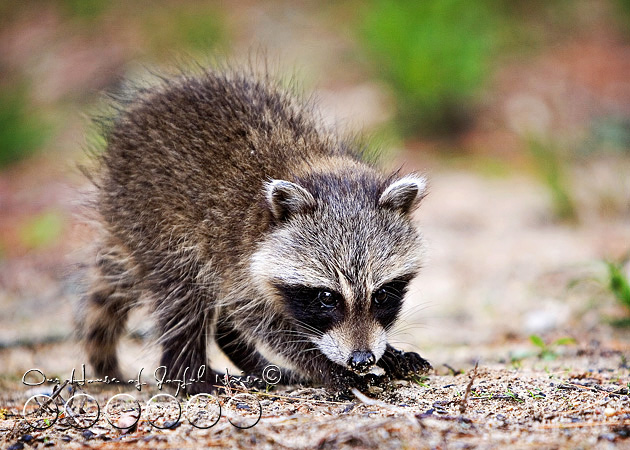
<point>361,361</point>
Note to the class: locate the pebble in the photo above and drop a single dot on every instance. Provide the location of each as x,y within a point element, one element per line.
<point>171,424</point>
<point>16,446</point>
<point>609,412</point>
<point>126,422</point>
<point>375,390</point>
<point>87,434</point>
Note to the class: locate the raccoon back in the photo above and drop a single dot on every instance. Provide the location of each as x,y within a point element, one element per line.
<point>185,163</point>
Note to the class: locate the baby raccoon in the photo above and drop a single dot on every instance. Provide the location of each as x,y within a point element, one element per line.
<point>225,201</point>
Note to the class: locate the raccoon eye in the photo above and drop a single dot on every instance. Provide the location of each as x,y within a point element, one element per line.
<point>327,299</point>
<point>394,290</point>
<point>380,296</point>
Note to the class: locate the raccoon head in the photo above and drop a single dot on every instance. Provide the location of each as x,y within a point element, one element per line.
<point>339,256</point>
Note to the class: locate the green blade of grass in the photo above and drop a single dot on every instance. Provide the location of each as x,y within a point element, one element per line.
<point>537,341</point>
<point>618,283</point>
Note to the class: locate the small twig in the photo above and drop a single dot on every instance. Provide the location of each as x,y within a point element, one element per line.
<point>584,425</point>
<point>496,397</point>
<point>396,409</point>
<point>54,395</point>
<point>455,372</point>
<point>286,397</point>
<point>464,402</point>
<point>568,385</point>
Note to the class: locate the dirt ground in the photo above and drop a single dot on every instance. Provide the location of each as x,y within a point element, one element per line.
<point>494,407</point>
<point>500,268</point>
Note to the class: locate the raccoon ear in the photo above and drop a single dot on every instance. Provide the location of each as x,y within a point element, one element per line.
<point>404,194</point>
<point>285,198</point>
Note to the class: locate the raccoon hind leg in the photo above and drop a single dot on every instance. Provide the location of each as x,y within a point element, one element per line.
<point>112,293</point>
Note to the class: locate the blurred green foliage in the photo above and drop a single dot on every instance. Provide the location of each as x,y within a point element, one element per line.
<point>549,352</point>
<point>85,9</point>
<point>42,230</point>
<point>618,283</point>
<point>180,26</point>
<point>551,166</point>
<point>166,25</point>
<point>623,17</point>
<point>162,29</point>
<point>435,54</point>
<point>22,130</point>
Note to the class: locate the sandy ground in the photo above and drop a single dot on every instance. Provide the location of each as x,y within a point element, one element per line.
<point>498,269</point>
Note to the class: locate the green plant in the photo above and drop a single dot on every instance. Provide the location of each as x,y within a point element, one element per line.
<point>537,395</point>
<point>550,351</point>
<point>623,14</point>
<point>476,393</point>
<point>85,9</point>
<point>22,130</point>
<point>42,230</point>
<point>193,29</point>
<point>618,283</point>
<point>435,54</point>
<point>421,380</point>
<point>551,166</point>
<point>514,396</point>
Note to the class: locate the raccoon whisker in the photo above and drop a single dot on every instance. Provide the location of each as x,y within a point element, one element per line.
<point>421,305</point>
<point>405,327</point>
<point>398,337</point>
<point>308,327</point>
<point>300,338</point>
<point>300,341</point>
<point>410,310</point>
<point>297,332</point>
<point>313,349</point>
<point>306,333</point>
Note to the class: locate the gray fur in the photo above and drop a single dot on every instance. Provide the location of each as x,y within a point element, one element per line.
<point>216,189</point>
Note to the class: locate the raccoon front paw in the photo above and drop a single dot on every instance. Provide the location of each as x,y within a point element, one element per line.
<point>342,382</point>
<point>403,365</point>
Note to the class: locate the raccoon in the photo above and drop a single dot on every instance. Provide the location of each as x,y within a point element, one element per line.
<point>225,201</point>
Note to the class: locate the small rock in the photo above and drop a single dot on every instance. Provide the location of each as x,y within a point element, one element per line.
<point>87,434</point>
<point>26,438</point>
<point>126,422</point>
<point>375,390</point>
<point>609,412</point>
<point>348,408</point>
<point>172,424</point>
<point>16,446</point>
<point>66,438</point>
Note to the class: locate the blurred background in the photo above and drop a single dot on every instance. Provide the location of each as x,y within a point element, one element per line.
<point>519,113</point>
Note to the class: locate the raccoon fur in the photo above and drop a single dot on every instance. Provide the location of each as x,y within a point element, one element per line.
<point>226,202</point>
